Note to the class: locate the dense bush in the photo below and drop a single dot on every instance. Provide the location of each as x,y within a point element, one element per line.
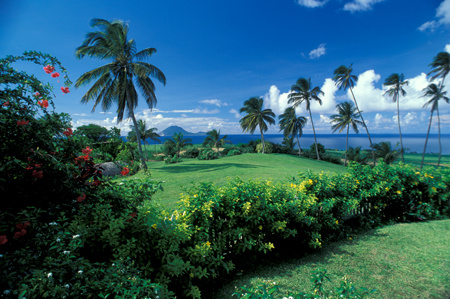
<point>268,147</point>
<point>172,159</point>
<point>207,154</point>
<point>191,152</point>
<point>234,152</point>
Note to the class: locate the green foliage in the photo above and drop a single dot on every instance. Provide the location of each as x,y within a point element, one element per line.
<point>191,152</point>
<point>357,155</point>
<point>207,154</point>
<point>268,147</point>
<point>234,152</point>
<point>93,132</point>
<point>384,150</point>
<point>172,159</point>
<point>265,289</point>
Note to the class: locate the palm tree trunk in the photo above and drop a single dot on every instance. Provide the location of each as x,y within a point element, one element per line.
<point>439,136</point>
<point>399,129</point>
<point>346,145</point>
<point>299,148</point>
<point>367,130</point>
<point>262,139</point>
<point>426,140</point>
<point>145,150</point>
<point>138,137</point>
<point>315,139</point>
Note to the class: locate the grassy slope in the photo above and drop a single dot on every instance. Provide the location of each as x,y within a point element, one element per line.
<point>400,261</point>
<point>247,166</point>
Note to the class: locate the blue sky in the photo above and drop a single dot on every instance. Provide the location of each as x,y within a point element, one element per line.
<point>217,54</point>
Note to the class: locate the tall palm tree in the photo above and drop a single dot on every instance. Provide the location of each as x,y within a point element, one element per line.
<point>436,93</point>
<point>441,65</point>
<point>178,142</point>
<point>116,81</point>
<point>291,125</point>
<point>346,117</point>
<point>256,117</point>
<point>302,92</point>
<point>396,83</point>
<point>213,139</point>
<point>152,135</point>
<point>344,79</point>
<point>144,133</point>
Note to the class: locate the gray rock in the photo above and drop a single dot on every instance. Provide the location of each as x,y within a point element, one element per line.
<point>110,168</point>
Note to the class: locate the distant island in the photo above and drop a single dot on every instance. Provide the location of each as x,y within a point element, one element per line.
<point>175,129</point>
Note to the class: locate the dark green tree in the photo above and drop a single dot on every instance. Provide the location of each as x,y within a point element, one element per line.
<point>116,81</point>
<point>344,79</point>
<point>213,140</point>
<point>436,93</point>
<point>291,125</point>
<point>256,117</point>
<point>441,66</point>
<point>178,142</point>
<point>395,82</point>
<point>346,117</point>
<point>93,132</point>
<point>144,132</point>
<point>302,92</point>
<point>384,150</point>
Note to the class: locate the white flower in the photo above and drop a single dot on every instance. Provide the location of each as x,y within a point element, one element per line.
<point>80,272</point>
<point>66,252</point>
<point>49,275</point>
<point>1,255</point>
<point>6,292</point>
<point>76,236</point>
<point>58,240</point>
<point>67,286</point>
<point>53,223</point>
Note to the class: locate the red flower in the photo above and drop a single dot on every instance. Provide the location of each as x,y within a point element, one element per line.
<point>131,216</point>
<point>38,165</point>
<point>3,240</point>
<point>49,69</point>
<point>55,75</point>
<point>22,225</point>
<point>38,174</point>
<point>22,122</point>
<point>87,150</point>
<point>81,197</point>
<point>6,104</point>
<point>22,233</point>
<point>96,182</point>
<point>37,95</point>
<point>65,89</point>
<point>68,132</point>
<point>29,167</point>
<point>43,103</point>
<point>125,171</point>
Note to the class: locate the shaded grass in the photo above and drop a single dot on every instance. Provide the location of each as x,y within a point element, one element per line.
<point>400,261</point>
<point>273,167</point>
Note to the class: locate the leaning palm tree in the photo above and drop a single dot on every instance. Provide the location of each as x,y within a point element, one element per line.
<point>441,66</point>
<point>346,117</point>
<point>302,92</point>
<point>436,93</point>
<point>116,81</point>
<point>384,150</point>
<point>396,82</point>
<point>344,79</point>
<point>256,117</point>
<point>213,140</point>
<point>178,142</point>
<point>291,125</point>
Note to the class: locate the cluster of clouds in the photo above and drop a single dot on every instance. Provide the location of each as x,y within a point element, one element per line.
<point>442,17</point>
<point>352,6</point>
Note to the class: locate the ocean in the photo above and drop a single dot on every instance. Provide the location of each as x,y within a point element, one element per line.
<point>413,143</point>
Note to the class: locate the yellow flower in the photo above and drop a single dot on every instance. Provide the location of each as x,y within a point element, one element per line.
<point>195,195</point>
<point>154,226</point>
<point>310,181</point>
<point>260,227</point>
<point>208,244</point>
<point>399,192</point>
<point>420,202</point>
<point>375,207</point>
<point>387,189</point>
<point>293,185</point>
<point>337,221</point>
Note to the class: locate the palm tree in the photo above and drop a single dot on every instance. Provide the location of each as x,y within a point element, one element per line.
<point>256,117</point>
<point>384,150</point>
<point>152,135</point>
<point>291,125</point>
<point>302,92</point>
<point>396,82</point>
<point>344,79</point>
<point>356,155</point>
<point>441,65</point>
<point>213,139</point>
<point>144,134</point>
<point>116,81</point>
<point>178,142</point>
<point>436,93</point>
<point>346,117</point>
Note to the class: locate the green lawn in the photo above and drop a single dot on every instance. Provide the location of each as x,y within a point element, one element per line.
<point>400,261</point>
<point>182,175</point>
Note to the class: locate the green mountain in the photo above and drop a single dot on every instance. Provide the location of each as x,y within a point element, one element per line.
<point>176,129</point>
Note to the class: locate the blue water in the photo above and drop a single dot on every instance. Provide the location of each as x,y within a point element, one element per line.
<point>411,142</point>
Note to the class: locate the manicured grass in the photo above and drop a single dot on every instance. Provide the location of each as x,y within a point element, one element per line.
<point>400,261</point>
<point>182,175</point>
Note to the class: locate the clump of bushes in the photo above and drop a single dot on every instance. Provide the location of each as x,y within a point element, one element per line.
<point>171,160</point>
<point>207,154</point>
<point>268,147</point>
<point>191,152</point>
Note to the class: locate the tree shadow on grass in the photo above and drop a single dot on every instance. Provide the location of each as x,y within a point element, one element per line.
<point>205,167</point>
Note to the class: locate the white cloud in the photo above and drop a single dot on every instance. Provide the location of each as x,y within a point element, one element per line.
<point>276,100</point>
<point>316,53</point>
<point>447,48</point>
<point>312,3</point>
<point>105,112</point>
<point>205,111</point>
<point>215,102</point>
<point>80,114</point>
<point>325,119</point>
<point>442,17</point>
<point>409,118</point>
<point>360,5</point>
<point>235,112</point>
